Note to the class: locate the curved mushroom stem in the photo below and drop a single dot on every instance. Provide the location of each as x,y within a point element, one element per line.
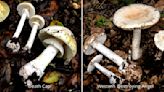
<point>31,39</point>
<point>39,64</point>
<point>110,54</point>
<point>136,51</point>
<point>15,46</point>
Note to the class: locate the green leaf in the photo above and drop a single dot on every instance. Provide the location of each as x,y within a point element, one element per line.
<point>100,21</point>
<point>56,22</point>
<point>51,77</point>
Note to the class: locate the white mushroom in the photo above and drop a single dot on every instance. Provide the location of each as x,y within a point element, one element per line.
<point>94,63</point>
<point>95,41</point>
<point>36,22</point>
<point>136,17</point>
<point>59,41</point>
<point>159,40</point>
<point>25,10</point>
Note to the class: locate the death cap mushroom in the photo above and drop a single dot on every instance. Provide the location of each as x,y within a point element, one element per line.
<point>64,34</point>
<point>4,10</point>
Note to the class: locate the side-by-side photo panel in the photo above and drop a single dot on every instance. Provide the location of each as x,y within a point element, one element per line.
<point>123,45</point>
<point>40,43</point>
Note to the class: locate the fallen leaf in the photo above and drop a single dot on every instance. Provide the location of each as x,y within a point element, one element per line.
<point>51,77</point>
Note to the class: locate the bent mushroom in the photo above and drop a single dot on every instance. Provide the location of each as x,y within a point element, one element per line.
<point>136,17</point>
<point>36,22</point>
<point>95,42</point>
<point>25,10</point>
<point>59,41</point>
<point>94,63</point>
<point>4,10</point>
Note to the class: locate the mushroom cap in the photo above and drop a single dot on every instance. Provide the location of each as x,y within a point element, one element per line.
<point>159,40</point>
<point>136,16</point>
<point>37,19</point>
<point>4,10</point>
<point>63,34</point>
<point>28,6</point>
<point>96,59</point>
<point>98,37</point>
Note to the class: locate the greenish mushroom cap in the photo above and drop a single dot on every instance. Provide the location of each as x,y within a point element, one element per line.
<point>4,10</point>
<point>63,34</point>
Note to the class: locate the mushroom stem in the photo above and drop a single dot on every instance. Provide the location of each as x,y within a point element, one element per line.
<point>39,64</point>
<point>136,51</point>
<point>32,37</point>
<point>21,23</point>
<point>45,57</point>
<point>104,70</point>
<point>109,54</point>
<point>95,64</point>
<point>14,45</point>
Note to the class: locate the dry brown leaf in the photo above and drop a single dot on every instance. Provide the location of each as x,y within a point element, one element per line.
<point>160,5</point>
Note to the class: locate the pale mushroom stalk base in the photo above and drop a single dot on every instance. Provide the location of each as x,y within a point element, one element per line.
<point>15,46</point>
<point>110,54</point>
<point>31,38</point>
<point>136,51</point>
<point>39,64</point>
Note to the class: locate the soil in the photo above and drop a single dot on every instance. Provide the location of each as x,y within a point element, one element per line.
<point>10,63</point>
<point>98,15</point>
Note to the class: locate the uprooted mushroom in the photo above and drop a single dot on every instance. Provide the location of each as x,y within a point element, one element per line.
<point>25,10</point>
<point>94,63</point>
<point>59,41</point>
<point>95,42</point>
<point>36,22</point>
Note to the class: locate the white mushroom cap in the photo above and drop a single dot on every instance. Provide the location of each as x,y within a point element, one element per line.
<point>98,37</point>
<point>96,59</point>
<point>63,34</point>
<point>136,16</point>
<point>4,10</point>
<point>159,40</point>
<point>28,6</point>
<point>37,19</point>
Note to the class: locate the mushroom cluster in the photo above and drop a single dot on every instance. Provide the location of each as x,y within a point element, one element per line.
<point>25,10</point>
<point>131,72</point>
<point>132,17</point>
<point>59,42</point>
<point>95,42</point>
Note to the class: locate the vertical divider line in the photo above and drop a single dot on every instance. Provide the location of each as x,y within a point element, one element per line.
<point>81,45</point>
